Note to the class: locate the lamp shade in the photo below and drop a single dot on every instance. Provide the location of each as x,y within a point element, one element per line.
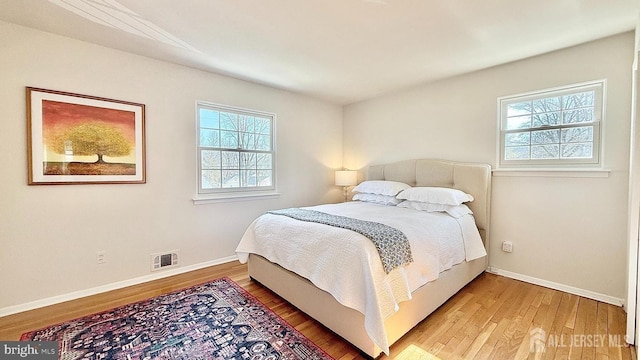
<point>346,177</point>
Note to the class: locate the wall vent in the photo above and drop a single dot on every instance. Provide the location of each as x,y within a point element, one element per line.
<point>164,260</point>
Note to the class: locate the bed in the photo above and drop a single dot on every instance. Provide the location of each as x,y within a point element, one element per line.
<point>341,315</point>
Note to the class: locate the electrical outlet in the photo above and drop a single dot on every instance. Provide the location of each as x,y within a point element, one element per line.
<point>507,246</point>
<point>101,257</point>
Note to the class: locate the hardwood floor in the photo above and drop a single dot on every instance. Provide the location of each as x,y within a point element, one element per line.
<point>491,318</point>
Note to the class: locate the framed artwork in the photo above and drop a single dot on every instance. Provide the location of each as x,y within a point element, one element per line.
<point>81,139</point>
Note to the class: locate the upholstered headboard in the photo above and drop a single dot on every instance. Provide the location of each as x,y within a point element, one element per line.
<point>472,178</point>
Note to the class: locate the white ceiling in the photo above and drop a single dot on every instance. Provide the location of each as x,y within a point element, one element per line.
<point>339,50</point>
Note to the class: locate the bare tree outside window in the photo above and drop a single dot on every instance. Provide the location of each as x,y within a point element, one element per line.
<point>552,126</point>
<point>236,149</point>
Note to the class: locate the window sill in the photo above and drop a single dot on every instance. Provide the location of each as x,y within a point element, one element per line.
<point>213,199</point>
<point>570,173</point>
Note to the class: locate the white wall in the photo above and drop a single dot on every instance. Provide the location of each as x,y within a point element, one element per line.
<point>569,231</point>
<point>49,234</point>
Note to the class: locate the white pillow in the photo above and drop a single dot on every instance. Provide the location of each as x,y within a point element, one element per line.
<point>457,211</point>
<point>377,198</point>
<point>381,187</point>
<point>435,195</point>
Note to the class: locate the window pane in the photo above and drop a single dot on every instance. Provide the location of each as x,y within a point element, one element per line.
<point>546,119</point>
<point>263,142</point>
<point>210,159</point>
<point>553,126</point>
<point>263,126</point>
<point>230,160</point>
<point>210,179</point>
<point>264,161</point>
<point>578,100</point>
<point>209,118</point>
<point>247,141</point>
<point>235,149</point>
<point>516,153</point>
<point>518,122</point>
<point>545,137</point>
<point>247,161</point>
<point>545,151</point>
<point>228,121</point>
<point>264,178</point>
<point>577,116</point>
<point>229,139</point>
<point>230,178</point>
<point>209,138</point>
<point>248,178</point>
<point>577,150</point>
<point>246,123</point>
<point>517,109</point>
<point>577,134</point>
<point>546,105</point>
<point>521,138</point>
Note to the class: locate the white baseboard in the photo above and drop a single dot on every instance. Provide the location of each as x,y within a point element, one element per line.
<point>9,310</point>
<point>557,286</point>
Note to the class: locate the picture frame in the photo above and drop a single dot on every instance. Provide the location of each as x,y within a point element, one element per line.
<point>82,139</point>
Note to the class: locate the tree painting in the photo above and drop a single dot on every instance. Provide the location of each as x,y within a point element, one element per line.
<point>87,140</point>
<point>91,138</point>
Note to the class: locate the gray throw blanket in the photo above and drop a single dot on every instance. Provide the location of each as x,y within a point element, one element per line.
<point>391,243</point>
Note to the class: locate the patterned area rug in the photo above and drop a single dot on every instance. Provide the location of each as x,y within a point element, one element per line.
<point>216,320</point>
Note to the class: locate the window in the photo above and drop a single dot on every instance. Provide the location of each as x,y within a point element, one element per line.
<point>552,128</point>
<point>235,149</point>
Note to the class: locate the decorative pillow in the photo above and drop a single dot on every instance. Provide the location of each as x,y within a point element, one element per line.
<point>435,195</point>
<point>457,211</point>
<point>377,199</point>
<point>381,187</point>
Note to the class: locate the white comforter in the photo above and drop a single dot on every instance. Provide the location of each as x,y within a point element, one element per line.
<point>347,265</point>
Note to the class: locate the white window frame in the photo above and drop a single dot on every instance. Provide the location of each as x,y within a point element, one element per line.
<point>233,193</point>
<point>599,86</point>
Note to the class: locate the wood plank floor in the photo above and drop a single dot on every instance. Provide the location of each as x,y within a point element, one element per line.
<point>491,318</point>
